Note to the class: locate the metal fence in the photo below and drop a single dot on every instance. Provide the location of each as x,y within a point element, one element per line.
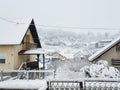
<point>84,84</point>
<point>65,85</point>
<point>102,84</point>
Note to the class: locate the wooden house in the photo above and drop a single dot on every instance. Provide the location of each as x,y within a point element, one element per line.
<point>110,53</point>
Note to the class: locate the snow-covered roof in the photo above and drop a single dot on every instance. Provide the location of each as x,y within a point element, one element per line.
<point>104,49</point>
<point>12,32</point>
<point>69,56</point>
<point>35,51</point>
<point>83,51</point>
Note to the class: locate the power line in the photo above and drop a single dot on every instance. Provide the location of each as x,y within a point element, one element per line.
<point>79,27</point>
<point>10,21</point>
<point>67,27</point>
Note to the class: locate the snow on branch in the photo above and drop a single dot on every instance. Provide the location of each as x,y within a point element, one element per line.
<point>100,70</point>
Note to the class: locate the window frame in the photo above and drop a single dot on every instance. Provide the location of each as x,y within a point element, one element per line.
<point>3,57</point>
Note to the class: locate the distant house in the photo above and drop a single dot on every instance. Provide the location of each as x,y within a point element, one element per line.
<point>58,56</point>
<point>15,39</point>
<point>110,53</point>
<point>82,54</point>
<point>102,43</point>
<point>79,56</point>
<point>54,54</point>
<point>93,45</point>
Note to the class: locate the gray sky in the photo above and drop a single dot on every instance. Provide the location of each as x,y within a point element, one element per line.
<point>70,13</point>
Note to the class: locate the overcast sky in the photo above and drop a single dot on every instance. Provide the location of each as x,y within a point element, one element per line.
<point>68,13</point>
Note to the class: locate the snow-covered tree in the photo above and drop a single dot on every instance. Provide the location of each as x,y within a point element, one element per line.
<point>100,70</point>
<point>71,69</point>
<point>76,64</point>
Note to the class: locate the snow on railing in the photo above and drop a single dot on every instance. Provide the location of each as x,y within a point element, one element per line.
<point>102,84</point>
<point>21,66</point>
<point>59,83</point>
<point>85,84</point>
<point>64,85</point>
<point>24,74</point>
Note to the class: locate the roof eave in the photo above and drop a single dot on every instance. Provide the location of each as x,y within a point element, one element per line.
<point>9,44</point>
<point>104,51</point>
<point>34,33</point>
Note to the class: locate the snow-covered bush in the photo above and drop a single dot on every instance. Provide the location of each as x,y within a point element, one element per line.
<point>70,69</point>
<point>101,70</point>
<point>76,64</point>
<point>56,64</point>
<point>67,74</point>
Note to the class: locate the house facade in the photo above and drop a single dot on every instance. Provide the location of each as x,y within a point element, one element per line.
<point>14,41</point>
<point>110,53</point>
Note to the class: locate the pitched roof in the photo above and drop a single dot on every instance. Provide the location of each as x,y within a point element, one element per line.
<point>13,32</point>
<point>104,49</point>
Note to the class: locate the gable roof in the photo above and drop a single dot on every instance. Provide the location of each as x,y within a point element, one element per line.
<point>12,33</point>
<point>104,49</point>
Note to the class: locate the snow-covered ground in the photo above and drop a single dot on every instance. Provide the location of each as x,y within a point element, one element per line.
<point>78,70</point>
<point>24,84</point>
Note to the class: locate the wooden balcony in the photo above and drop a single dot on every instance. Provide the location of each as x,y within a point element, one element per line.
<point>27,46</point>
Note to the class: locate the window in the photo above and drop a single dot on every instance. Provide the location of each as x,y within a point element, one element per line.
<point>118,48</point>
<point>116,63</point>
<point>2,58</point>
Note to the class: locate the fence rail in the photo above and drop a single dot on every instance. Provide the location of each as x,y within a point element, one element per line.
<point>65,85</point>
<point>24,74</point>
<point>59,84</point>
<point>102,84</point>
<point>84,84</point>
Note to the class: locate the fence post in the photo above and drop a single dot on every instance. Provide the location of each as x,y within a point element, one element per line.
<point>1,75</point>
<point>27,75</point>
<point>48,85</point>
<point>81,86</point>
<point>84,85</point>
<point>54,73</point>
